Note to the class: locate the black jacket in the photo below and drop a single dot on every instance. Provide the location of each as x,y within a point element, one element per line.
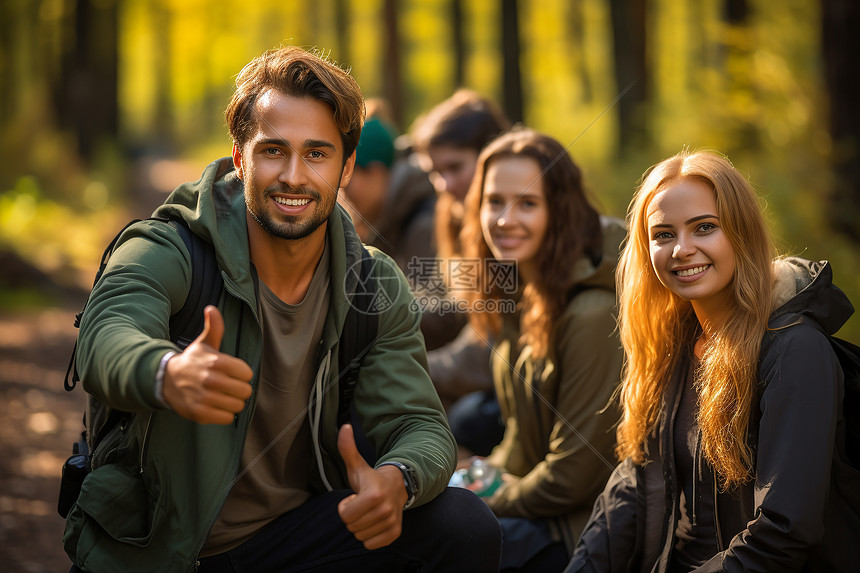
<point>794,516</point>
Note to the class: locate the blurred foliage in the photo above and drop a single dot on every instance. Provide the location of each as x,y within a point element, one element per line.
<point>64,241</point>
<point>752,89</point>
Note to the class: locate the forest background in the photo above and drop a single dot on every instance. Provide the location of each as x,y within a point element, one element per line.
<point>105,101</point>
<point>106,105</point>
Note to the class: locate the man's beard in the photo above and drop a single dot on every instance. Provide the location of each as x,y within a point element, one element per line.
<point>287,229</point>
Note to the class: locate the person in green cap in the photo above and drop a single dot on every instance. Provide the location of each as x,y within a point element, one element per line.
<point>390,199</point>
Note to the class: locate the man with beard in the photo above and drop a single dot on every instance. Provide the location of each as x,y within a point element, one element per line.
<point>233,460</point>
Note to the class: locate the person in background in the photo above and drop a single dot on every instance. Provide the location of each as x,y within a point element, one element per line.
<point>556,358</point>
<point>446,141</point>
<point>390,198</point>
<point>233,459</point>
<point>732,431</point>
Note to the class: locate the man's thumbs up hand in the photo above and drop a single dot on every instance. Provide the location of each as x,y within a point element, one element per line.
<point>204,385</point>
<point>374,513</point>
<point>213,328</point>
<point>356,466</point>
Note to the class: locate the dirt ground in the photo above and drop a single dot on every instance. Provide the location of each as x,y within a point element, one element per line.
<point>39,421</point>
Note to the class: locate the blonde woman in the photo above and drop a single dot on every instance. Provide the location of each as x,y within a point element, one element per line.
<point>731,393</point>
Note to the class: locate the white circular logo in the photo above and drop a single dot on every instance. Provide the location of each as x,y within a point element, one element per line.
<point>373,294</point>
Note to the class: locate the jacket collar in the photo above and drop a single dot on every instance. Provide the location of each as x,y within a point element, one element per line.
<point>214,209</point>
<point>805,289</point>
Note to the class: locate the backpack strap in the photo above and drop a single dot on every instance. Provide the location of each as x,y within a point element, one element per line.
<point>849,359</point>
<point>357,337</point>
<point>206,286</point>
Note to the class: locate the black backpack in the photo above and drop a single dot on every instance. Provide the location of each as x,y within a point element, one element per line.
<point>102,424</point>
<point>848,355</point>
<point>842,519</point>
<point>849,359</point>
<point>842,523</point>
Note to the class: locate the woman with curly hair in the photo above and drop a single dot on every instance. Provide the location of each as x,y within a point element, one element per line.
<point>556,358</point>
<point>731,394</point>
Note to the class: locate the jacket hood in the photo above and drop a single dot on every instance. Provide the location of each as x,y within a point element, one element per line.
<point>585,274</point>
<point>806,288</point>
<point>217,195</point>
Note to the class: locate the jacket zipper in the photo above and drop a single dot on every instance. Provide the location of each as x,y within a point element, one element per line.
<point>720,546</point>
<point>671,486</point>
<point>697,475</point>
<point>695,500</point>
<point>315,413</point>
<point>230,288</point>
<point>144,445</point>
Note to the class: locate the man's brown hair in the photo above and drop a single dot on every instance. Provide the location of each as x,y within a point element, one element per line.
<point>298,73</point>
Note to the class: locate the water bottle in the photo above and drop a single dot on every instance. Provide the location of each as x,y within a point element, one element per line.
<point>74,471</point>
<point>480,477</point>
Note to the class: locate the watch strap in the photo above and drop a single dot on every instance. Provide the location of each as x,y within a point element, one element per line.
<point>409,481</point>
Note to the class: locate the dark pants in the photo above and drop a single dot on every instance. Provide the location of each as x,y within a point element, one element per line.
<point>454,532</point>
<point>529,547</point>
<point>476,422</point>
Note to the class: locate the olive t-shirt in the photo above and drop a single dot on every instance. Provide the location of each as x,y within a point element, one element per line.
<point>273,473</point>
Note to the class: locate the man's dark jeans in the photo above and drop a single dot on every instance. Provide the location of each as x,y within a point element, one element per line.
<point>454,532</point>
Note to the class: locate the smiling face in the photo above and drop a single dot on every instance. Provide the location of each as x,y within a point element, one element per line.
<point>690,253</point>
<point>292,166</point>
<point>514,212</point>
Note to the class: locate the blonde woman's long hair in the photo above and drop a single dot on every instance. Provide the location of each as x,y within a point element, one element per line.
<point>655,324</point>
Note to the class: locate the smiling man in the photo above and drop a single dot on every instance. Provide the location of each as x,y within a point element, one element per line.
<point>233,459</point>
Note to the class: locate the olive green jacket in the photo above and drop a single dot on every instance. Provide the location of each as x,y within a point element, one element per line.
<point>152,509</point>
<point>559,438</point>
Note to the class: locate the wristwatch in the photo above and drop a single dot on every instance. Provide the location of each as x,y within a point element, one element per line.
<point>408,480</point>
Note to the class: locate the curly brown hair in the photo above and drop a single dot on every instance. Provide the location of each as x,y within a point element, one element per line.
<point>573,231</point>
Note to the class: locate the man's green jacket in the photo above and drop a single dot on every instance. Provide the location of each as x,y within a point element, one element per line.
<point>152,510</point>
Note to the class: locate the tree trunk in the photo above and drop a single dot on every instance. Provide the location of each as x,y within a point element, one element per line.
<point>391,72</point>
<point>841,53</point>
<point>459,42</point>
<point>162,130</point>
<point>341,23</point>
<point>88,101</point>
<point>736,11</point>
<point>628,42</point>
<point>576,32</point>
<point>512,88</point>
<point>7,78</point>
